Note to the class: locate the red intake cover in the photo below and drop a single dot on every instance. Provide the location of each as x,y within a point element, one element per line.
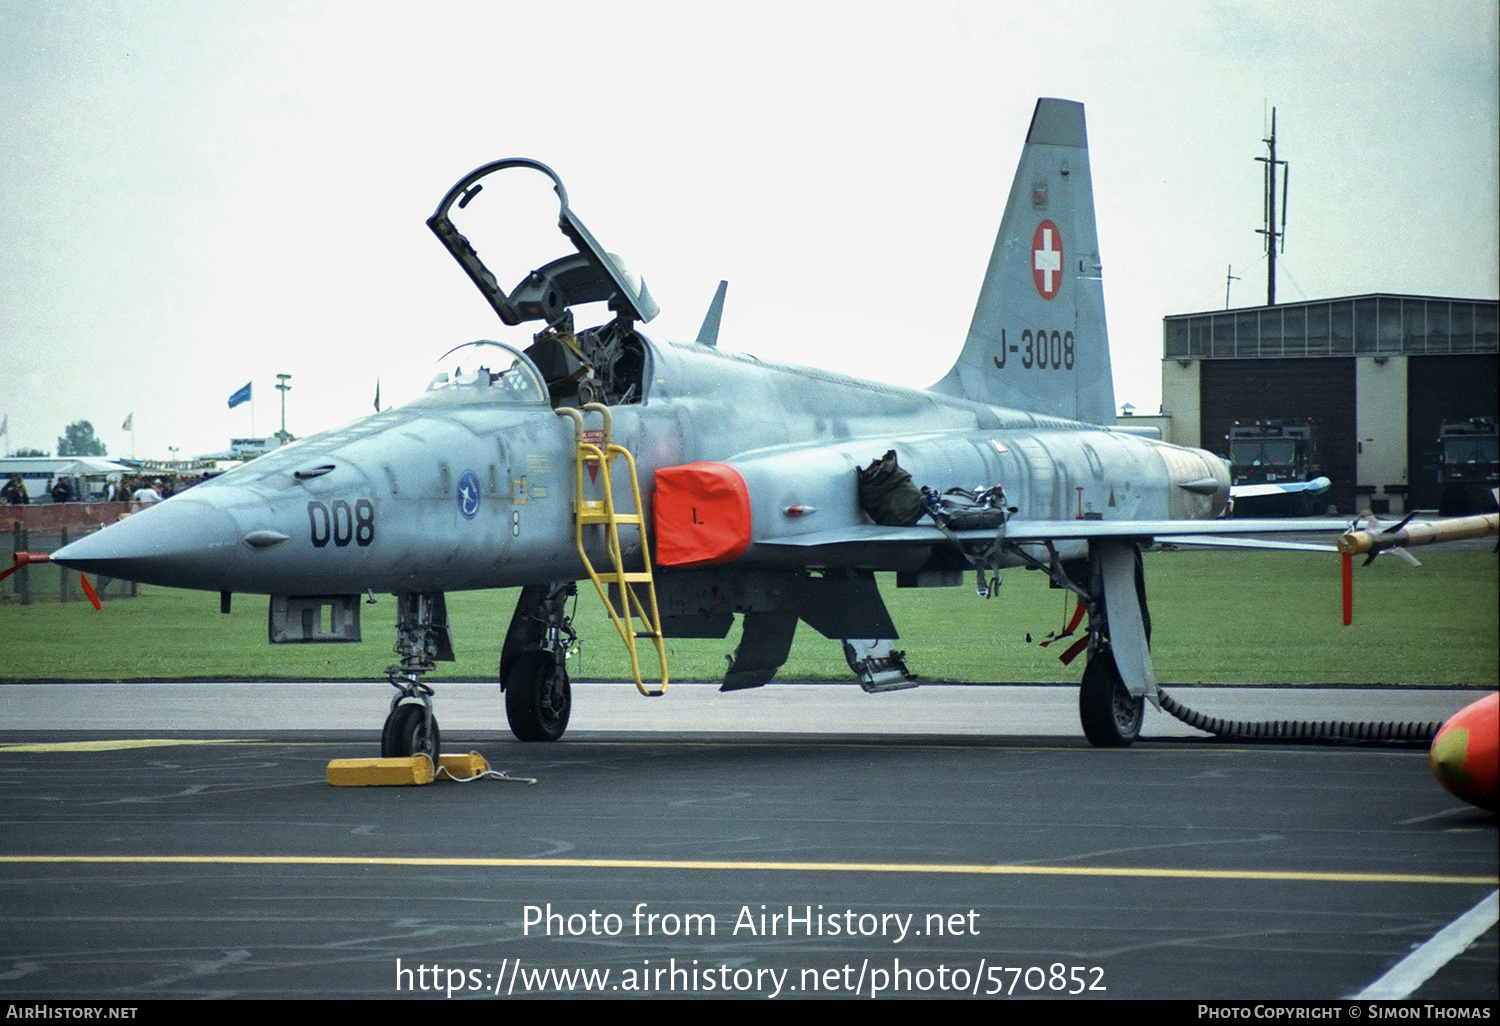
<point>702,514</point>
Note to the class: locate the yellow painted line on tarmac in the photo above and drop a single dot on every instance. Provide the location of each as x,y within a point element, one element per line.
<point>116,746</point>
<point>793,867</point>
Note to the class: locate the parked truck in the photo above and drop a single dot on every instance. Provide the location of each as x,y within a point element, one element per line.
<point>1467,466</point>
<point>1278,453</point>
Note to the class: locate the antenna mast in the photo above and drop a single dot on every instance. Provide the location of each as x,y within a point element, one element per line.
<point>1275,236</point>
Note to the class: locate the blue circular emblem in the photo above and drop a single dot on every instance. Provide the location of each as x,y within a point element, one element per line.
<point>468,494</point>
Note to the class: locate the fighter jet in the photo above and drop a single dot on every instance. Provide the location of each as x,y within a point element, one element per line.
<point>692,484</point>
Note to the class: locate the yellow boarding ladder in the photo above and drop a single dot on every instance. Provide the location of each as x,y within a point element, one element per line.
<point>588,512</point>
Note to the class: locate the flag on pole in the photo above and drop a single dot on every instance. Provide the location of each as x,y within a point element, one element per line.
<point>377,393</point>
<point>242,396</point>
<point>129,424</point>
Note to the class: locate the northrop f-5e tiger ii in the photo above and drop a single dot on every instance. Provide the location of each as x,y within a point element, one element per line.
<point>691,484</point>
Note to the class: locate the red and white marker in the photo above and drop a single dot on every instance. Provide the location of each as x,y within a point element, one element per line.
<point>1047,259</point>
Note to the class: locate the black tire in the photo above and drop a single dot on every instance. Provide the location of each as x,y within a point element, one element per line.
<point>538,698</point>
<point>1111,715</point>
<point>406,734</point>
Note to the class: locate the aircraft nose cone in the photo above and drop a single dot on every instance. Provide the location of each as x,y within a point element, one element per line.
<point>181,543</point>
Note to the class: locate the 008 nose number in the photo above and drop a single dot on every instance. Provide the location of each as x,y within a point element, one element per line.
<point>339,523</point>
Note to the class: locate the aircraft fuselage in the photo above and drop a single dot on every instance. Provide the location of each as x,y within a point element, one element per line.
<point>462,490</point>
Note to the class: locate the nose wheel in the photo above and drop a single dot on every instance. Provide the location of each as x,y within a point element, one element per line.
<point>410,729</point>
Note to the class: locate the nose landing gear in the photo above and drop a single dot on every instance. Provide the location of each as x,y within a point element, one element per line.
<point>421,641</point>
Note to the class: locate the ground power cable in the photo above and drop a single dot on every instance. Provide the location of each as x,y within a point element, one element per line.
<point>1321,731</point>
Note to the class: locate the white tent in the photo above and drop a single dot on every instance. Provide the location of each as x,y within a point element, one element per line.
<point>44,468</point>
<point>59,466</point>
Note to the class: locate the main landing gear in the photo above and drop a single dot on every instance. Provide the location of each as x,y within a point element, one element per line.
<point>1119,629</point>
<point>533,662</point>
<point>1111,585</point>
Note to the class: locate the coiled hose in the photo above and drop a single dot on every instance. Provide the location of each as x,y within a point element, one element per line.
<point>1304,730</point>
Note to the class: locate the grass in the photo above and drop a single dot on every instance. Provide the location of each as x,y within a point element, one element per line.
<point>1231,617</point>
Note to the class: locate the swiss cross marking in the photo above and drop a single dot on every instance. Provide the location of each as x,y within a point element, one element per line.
<point>1047,259</point>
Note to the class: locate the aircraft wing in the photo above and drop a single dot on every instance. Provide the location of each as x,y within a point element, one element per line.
<point>1221,533</point>
<point>1231,542</point>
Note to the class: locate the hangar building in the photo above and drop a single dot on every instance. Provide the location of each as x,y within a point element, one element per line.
<point>1377,375</point>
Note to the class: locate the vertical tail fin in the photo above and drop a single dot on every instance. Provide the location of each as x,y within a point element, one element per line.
<point>1038,341</point>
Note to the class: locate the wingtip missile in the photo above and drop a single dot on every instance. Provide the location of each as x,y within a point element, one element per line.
<point>1355,543</point>
<point>1396,538</point>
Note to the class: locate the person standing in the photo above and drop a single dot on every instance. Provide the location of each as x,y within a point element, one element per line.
<point>14,493</point>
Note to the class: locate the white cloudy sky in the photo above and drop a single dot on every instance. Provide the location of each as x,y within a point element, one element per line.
<point>193,195</point>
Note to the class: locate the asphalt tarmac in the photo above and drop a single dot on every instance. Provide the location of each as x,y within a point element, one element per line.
<point>180,841</point>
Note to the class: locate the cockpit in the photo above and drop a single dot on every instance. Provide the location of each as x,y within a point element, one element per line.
<point>488,371</point>
<point>607,364</point>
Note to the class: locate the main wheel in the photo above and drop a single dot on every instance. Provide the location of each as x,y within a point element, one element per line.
<point>406,734</point>
<point>1111,715</point>
<point>537,697</point>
